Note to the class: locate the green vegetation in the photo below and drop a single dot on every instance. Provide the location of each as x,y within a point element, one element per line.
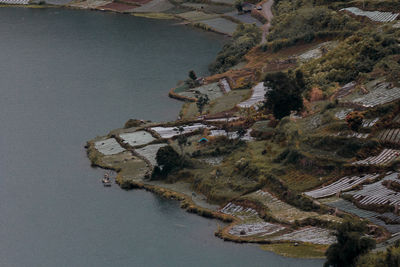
<point>367,50</point>
<point>244,38</point>
<point>389,258</point>
<point>167,160</point>
<point>302,250</point>
<point>351,243</point>
<point>307,24</point>
<point>285,95</point>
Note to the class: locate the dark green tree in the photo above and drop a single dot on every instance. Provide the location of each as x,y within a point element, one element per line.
<point>285,94</point>
<point>351,243</point>
<point>167,160</point>
<point>202,101</point>
<point>192,75</point>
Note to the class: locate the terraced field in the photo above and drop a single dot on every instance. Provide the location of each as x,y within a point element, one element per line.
<point>212,90</point>
<point>221,25</point>
<point>370,215</point>
<point>137,138</point>
<point>90,4</point>
<point>313,235</point>
<point>108,147</point>
<point>376,16</point>
<point>367,123</point>
<point>385,157</point>
<point>14,2</point>
<point>345,90</point>
<point>381,94</point>
<point>257,97</point>
<point>224,85</point>
<point>251,229</point>
<point>239,211</point>
<point>168,132</point>
<point>278,209</point>
<point>378,194</point>
<point>390,135</point>
<point>342,185</point>
<point>149,152</point>
<point>341,115</point>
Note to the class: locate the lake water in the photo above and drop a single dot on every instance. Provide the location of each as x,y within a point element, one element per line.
<point>65,77</point>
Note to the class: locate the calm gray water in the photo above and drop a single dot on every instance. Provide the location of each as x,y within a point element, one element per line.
<point>65,77</point>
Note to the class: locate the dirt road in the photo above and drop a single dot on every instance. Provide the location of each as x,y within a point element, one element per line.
<point>267,12</point>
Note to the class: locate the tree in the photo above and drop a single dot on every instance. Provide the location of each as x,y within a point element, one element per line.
<point>239,5</point>
<point>354,120</point>
<point>285,94</point>
<point>167,160</point>
<point>241,132</point>
<point>192,75</point>
<point>351,243</point>
<point>201,102</point>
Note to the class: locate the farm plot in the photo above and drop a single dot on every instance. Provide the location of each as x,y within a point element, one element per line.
<point>343,184</point>
<point>232,135</point>
<point>390,135</point>
<point>313,235</point>
<point>385,157</point>
<point>341,115</point>
<point>251,229</point>
<point>358,135</point>
<point>345,90</point>
<point>212,90</point>
<point>108,147</point>
<point>244,18</point>
<point>196,16</point>
<point>137,138</point>
<point>224,85</point>
<point>280,210</point>
<point>367,123</point>
<point>221,25</point>
<point>380,95</point>
<point>149,152</point>
<point>378,194</point>
<point>168,132</point>
<point>397,119</point>
<point>239,211</point>
<point>90,4</point>
<point>257,97</point>
<point>372,15</point>
<point>14,2</point>
<point>120,7</point>
<point>372,216</point>
<point>155,6</point>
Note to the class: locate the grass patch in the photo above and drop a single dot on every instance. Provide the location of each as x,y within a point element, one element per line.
<point>303,250</point>
<point>154,15</point>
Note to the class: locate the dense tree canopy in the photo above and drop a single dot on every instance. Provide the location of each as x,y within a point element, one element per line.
<point>285,94</point>
<point>351,243</point>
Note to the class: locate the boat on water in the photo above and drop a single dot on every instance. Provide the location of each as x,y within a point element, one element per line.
<point>106,180</point>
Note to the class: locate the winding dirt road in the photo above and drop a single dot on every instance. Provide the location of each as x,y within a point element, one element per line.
<point>267,13</point>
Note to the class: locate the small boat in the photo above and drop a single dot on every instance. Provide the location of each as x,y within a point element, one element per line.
<point>106,180</point>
